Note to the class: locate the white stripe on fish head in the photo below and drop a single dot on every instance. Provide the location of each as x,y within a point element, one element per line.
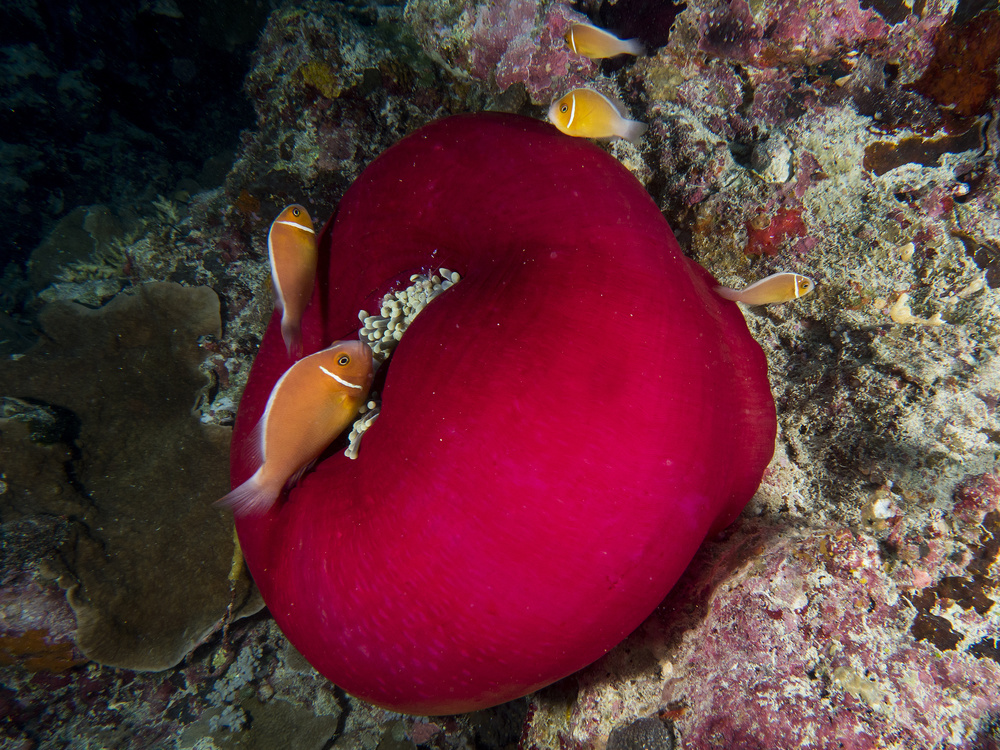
<point>297,226</point>
<point>339,379</point>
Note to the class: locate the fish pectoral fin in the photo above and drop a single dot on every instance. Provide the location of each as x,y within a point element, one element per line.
<point>294,478</point>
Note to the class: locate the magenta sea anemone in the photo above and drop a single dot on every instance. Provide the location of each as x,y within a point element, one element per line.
<point>558,433</point>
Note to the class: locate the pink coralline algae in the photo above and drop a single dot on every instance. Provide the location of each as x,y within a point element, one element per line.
<point>805,641</point>
<point>765,234</point>
<point>507,43</point>
<point>977,497</point>
<point>792,32</point>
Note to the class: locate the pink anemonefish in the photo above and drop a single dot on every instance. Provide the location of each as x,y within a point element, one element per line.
<point>312,403</point>
<point>586,113</point>
<point>598,44</point>
<point>778,287</point>
<point>293,251</point>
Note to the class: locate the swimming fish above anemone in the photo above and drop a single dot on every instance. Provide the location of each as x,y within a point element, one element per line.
<point>586,113</point>
<point>312,403</point>
<point>291,248</point>
<point>496,533</point>
<point>598,44</point>
<point>778,287</point>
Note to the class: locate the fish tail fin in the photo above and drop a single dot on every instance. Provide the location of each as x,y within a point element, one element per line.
<point>291,332</point>
<point>634,130</point>
<point>633,47</point>
<point>726,293</point>
<point>252,498</point>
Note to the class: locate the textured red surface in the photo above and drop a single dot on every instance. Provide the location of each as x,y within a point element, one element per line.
<point>559,431</point>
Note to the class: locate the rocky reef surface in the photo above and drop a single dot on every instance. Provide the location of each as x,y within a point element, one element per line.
<point>853,605</point>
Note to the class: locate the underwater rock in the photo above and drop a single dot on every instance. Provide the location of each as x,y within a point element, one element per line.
<point>150,567</point>
<point>816,634</point>
<point>320,71</point>
<point>789,32</point>
<point>36,622</point>
<point>642,734</point>
<point>962,75</point>
<point>790,635</point>
<point>502,44</point>
<point>67,243</point>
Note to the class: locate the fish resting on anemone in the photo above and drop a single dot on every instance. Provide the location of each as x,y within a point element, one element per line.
<point>558,432</point>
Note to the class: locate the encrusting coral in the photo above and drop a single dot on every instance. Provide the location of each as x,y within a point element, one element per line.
<point>146,561</point>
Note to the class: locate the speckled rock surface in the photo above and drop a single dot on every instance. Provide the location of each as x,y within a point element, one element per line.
<point>503,45</point>
<point>857,143</point>
<point>793,635</point>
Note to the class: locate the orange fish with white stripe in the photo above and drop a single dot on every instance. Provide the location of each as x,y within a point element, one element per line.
<point>293,251</point>
<point>586,113</point>
<point>598,44</point>
<point>778,287</point>
<point>313,402</point>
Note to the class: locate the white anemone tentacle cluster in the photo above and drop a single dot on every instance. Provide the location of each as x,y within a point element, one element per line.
<point>383,331</point>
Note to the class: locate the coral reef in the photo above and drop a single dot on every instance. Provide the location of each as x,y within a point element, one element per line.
<point>503,44</point>
<point>82,233</point>
<point>854,142</point>
<point>813,628</point>
<point>323,74</point>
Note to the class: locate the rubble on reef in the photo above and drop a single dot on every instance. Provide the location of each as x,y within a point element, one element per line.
<point>855,602</point>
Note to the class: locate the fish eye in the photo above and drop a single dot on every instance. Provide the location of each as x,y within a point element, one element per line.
<point>295,212</point>
<point>343,360</point>
<point>564,108</point>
